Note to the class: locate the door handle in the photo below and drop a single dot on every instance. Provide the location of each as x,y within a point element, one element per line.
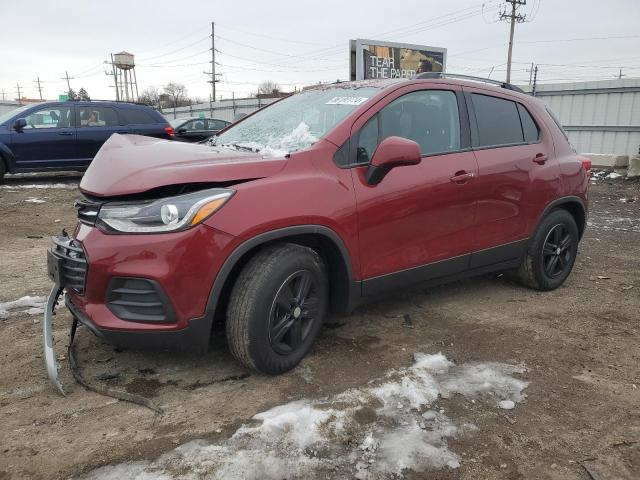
<point>462,177</point>
<point>65,133</point>
<point>540,158</point>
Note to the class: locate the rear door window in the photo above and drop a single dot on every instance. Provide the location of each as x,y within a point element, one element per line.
<point>91,116</point>
<point>498,121</point>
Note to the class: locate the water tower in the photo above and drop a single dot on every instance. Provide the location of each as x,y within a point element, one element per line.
<point>124,71</point>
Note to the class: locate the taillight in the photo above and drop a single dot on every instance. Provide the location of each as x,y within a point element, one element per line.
<point>169,131</point>
<point>586,163</point>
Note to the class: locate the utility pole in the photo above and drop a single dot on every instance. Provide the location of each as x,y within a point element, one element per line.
<point>530,73</point>
<point>39,87</point>
<point>19,94</point>
<point>213,61</point>
<point>67,78</point>
<point>514,18</point>
<point>115,78</point>
<point>535,81</point>
<point>620,75</point>
<point>3,94</point>
<point>213,73</point>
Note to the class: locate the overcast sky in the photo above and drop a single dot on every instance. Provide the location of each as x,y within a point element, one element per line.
<point>298,43</point>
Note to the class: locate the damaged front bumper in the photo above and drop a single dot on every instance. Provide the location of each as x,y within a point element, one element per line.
<point>47,331</point>
<point>66,267</point>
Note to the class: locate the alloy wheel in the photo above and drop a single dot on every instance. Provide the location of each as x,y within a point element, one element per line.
<point>557,251</point>
<point>293,312</point>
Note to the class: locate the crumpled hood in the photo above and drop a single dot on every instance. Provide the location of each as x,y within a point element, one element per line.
<point>128,164</point>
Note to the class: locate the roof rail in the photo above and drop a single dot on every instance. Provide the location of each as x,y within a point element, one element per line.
<point>506,85</point>
<point>106,100</point>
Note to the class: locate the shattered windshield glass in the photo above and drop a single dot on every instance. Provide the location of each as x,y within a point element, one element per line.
<point>296,122</point>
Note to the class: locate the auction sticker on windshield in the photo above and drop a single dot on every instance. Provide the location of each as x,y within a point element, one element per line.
<point>347,100</point>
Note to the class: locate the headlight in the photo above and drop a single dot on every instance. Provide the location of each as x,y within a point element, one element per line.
<point>164,215</point>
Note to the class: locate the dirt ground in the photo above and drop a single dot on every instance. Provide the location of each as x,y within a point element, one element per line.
<point>580,345</point>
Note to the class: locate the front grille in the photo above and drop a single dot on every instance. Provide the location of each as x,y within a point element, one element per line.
<point>87,210</point>
<point>139,300</point>
<point>74,262</point>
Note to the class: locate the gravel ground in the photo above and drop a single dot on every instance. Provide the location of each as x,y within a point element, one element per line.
<point>579,345</point>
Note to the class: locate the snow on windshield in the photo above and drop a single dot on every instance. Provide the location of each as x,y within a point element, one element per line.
<point>279,146</point>
<point>296,122</point>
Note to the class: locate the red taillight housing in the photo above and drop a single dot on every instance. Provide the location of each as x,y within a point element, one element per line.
<point>586,163</point>
<point>169,131</point>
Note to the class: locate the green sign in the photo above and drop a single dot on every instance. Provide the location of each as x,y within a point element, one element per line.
<point>63,97</point>
<point>201,115</point>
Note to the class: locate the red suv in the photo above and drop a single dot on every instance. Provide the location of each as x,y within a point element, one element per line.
<point>319,202</point>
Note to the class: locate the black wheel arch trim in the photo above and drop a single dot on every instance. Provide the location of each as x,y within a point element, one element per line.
<point>559,202</point>
<point>6,156</point>
<point>352,293</point>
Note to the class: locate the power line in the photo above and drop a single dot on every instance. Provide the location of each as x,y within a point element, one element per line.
<point>278,39</point>
<point>200,40</point>
<point>253,47</point>
<point>178,59</point>
<point>173,42</point>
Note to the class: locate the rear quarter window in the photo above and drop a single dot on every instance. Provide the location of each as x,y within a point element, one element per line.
<point>137,116</point>
<point>557,122</point>
<point>529,127</point>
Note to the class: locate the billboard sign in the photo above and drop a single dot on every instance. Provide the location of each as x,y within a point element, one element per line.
<point>376,59</point>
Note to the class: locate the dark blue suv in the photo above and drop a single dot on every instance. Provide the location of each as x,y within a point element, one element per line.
<point>67,135</point>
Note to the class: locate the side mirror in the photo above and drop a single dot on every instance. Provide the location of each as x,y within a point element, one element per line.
<point>392,152</point>
<point>181,130</point>
<point>19,124</point>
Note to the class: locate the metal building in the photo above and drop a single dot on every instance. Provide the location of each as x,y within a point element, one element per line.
<point>599,116</point>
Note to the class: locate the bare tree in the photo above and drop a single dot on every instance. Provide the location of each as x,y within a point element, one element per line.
<point>176,93</point>
<point>151,96</point>
<point>268,87</point>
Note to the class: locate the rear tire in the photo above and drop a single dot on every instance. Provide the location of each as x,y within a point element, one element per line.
<point>3,170</point>
<point>277,307</point>
<point>551,253</point>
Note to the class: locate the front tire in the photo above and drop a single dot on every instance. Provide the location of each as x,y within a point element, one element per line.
<point>551,253</point>
<point>277,307</point>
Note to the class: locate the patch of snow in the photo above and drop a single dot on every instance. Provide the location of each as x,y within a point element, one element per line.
<point>330,437</point>
<point>305,372</point>
<point>506,404</point>
<point>36,305</point>
<point>613,175</point>
<point>34,200</point>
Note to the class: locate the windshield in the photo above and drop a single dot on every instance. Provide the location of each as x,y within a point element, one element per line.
<point>6,116</point>
<point>296,122</point>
